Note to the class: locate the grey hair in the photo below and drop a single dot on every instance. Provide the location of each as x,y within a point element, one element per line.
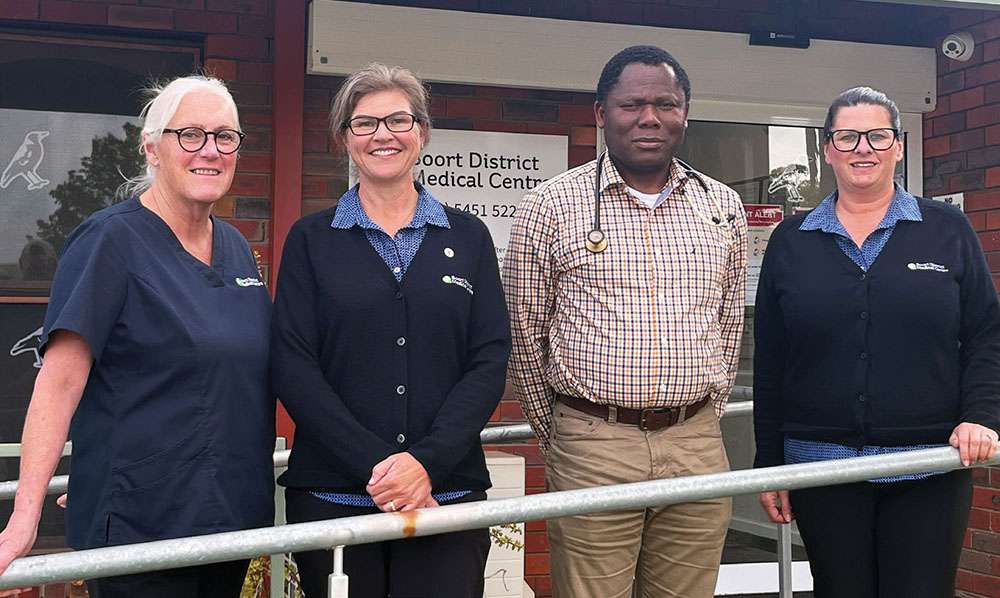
<point>374,78</point>
<point>861,96</point>
<point>164,99</point>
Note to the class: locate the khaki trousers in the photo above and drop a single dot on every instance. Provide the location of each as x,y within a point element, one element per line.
<point>671,551</point>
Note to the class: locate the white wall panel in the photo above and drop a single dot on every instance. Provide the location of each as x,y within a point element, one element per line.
<point>463,47</point>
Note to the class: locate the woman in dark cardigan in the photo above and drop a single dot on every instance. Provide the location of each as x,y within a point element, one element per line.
<point>877,331</point>
<point>389,349</point>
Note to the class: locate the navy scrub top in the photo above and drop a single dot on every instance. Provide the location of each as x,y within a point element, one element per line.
<point>175,430</point>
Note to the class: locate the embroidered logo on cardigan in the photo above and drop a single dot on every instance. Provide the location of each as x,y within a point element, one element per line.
<point>249,281</point>
<point>926,266</point>
<point>458,281</point>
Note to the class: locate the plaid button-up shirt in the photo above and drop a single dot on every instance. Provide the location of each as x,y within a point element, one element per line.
<point>653,321</point>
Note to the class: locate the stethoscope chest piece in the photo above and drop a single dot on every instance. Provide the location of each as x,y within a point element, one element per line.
<point>596,241</point>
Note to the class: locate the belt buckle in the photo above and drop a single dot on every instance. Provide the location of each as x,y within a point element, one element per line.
<point>642,416</point>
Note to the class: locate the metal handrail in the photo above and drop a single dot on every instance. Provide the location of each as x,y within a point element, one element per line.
<point>213,548</point>
<point>490,435</point>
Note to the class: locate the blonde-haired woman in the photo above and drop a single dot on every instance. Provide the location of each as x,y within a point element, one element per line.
<point>389,348</point>
<point>155,346</point>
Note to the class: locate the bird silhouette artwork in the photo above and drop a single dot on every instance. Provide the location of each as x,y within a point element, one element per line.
<point>26,161</point>
<point>790,179</point>
<point>29,344</point>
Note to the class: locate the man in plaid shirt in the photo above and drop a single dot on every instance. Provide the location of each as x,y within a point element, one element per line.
<point>625,352</point>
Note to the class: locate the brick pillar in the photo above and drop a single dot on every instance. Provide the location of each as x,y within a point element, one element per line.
<point>962,153</point>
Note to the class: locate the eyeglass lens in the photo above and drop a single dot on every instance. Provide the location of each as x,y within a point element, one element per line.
<point>847,140</point>
<point>193,139</point>
<point>400,122</point>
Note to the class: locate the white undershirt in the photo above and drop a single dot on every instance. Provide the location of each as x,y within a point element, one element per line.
<point>650,199</point>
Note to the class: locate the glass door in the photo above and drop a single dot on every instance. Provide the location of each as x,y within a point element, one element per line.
<point>778,170</point>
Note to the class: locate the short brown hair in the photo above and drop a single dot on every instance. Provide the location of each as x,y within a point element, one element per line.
<point>373,78</point>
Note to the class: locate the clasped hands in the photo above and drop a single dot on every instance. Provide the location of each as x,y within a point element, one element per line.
<point>975,444</point>
<point>400,483</point>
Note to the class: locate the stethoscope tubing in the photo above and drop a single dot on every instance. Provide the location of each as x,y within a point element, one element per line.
<point>597,241</point>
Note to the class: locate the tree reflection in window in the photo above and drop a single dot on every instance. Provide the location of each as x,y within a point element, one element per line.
<point>93,187</point>
<point>76,100</point>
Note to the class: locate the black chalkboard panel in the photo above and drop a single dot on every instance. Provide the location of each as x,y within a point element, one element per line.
<point>20,331</point>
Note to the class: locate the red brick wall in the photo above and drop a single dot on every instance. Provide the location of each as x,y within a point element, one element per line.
<point>324,166</point>
<point>237,38</point>
<point>962,153</point>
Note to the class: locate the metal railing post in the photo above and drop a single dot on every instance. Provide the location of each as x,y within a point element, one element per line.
<point>784,560</point>
<point>278,560</point>
<point>338,579</point>
<point>13,449</point>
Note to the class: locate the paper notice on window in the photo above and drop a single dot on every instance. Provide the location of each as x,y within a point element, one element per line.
<point>761,222</point>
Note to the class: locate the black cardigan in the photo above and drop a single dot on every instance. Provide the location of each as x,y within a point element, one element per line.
<point>896,356</point>
<point>368,367</point>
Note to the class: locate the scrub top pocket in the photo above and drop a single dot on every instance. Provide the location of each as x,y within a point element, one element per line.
<point>177,483</point>
<point>169,493</point>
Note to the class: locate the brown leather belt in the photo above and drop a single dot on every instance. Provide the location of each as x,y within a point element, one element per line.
<point>646,419</point>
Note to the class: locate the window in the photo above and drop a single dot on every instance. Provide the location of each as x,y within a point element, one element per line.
<point>765,164</point>
<point>68,139</point>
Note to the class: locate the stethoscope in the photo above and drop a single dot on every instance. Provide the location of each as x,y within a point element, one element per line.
<point>596,240</point>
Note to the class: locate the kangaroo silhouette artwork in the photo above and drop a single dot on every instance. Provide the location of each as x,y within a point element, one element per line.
<point>26,161</point>
<point>29,344</point>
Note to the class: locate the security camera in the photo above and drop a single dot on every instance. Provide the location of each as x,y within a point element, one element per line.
<point>958,46</point>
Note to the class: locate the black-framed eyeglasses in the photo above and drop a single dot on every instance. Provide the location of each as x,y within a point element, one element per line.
<point>847,140</point>
<point>397,122</point>
<point>192,139</point>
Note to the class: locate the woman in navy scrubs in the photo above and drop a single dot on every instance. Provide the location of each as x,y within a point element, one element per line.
<point>877,331</point>
<point>156,349</point>
<point>389,348</point>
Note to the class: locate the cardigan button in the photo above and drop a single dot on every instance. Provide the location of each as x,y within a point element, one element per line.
<point>400,341</point>
<point>400,438</point>
<point>400,389</point>
<point>862,277</point>
<point>399,294</point>
<point>863,315</point>
<point>864,355</point>
<point>862,398</point>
